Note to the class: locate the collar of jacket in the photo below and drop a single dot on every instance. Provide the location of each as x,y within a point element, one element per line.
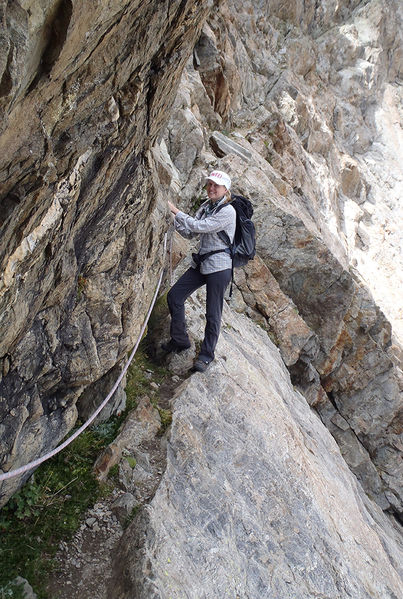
<point>212,206</point>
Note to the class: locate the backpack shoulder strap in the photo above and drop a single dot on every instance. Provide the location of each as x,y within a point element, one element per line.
<point>222,234</point>
<point>225,238</point>
<point>201,209</point>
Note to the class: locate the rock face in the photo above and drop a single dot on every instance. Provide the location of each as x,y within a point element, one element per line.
<point>315,92</point>
<point>256,499</point>
<point>84,95</point>
<point>105,115</point>
<point>286,101</point>
<point>352,363</point>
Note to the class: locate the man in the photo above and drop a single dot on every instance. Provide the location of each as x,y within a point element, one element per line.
<point>211,266</point>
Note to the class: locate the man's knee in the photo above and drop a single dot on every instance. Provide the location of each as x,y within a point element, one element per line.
<point>171,298</point>
<point>174,299</point>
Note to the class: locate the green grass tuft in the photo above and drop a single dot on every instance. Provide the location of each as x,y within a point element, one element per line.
<point>166,419</point>
<point>45,511</point>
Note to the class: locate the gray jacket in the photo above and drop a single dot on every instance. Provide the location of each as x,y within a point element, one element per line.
<point>207,225</point>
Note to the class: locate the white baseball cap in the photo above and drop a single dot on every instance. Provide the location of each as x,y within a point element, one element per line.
<point>220,178</point>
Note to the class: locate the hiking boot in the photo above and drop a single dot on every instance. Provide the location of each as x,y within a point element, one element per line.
<point>171,346</point>
<point>201,365</point>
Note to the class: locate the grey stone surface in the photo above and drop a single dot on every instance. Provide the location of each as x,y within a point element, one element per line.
<point>256,500</point>
<point>27,590</point>
<point>84,95</point>
<point>139,450</point>
<point>320,194</point>
<point>354,364</point>
<point>123,506</point>
<point>223,145</point>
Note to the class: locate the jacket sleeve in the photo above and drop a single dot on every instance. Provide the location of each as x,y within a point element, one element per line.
<point>181,227</point>
<point>183,230</point>
<point>212,224</point>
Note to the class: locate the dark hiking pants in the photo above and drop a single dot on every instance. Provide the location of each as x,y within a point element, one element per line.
<point>216,284</point>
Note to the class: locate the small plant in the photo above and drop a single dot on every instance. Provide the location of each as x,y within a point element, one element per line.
<point>197,202</point>
<point>114,474</point>
<point>131,461</point>
<point>12,590</point>
<point>82,282</point>
<point>166,419</point>
<point>26,501</point>
<point>131,516</point>
<point>107,430</point>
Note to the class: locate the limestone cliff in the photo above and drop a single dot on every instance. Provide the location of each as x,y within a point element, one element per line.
<point>84,95</point>
<point>294,105</point>
<point>105,115</point>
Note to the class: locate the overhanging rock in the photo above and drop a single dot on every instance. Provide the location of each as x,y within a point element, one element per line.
<point>223,145</point>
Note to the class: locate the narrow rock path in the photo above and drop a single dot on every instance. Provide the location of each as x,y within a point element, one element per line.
<point>138,459</point>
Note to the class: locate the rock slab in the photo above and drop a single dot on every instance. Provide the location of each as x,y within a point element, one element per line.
<point>256,501</point>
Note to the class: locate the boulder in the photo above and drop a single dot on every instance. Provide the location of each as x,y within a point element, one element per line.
<point>123,507</point>
<point>223,145</point>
